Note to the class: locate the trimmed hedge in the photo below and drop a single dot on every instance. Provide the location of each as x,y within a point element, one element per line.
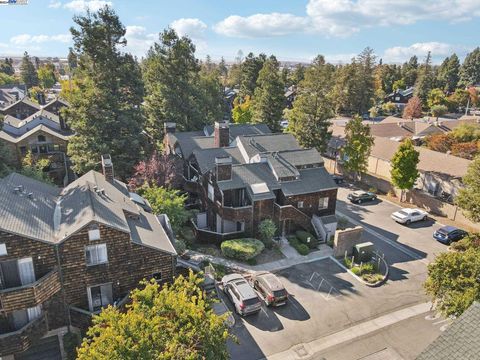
<point>242,249</point>
<point>302,249</point>
<point>303,236</point>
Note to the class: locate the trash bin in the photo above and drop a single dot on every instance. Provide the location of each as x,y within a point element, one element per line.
<point>363,252</point>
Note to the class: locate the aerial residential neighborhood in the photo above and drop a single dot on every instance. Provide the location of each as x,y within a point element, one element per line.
<point>258,180</point>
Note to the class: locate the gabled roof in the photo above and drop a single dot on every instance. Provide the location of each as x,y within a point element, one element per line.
<point>310,181</point>
<point>52,215</point>
<point>13,139</point>
<point>241,129</point>
<point>459,341</point>
<point>25,101</point>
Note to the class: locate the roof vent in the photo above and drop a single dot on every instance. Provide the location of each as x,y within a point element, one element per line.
<point>30,195</point>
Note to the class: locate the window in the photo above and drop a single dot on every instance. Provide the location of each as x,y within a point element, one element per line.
<point>210,192</point>
<point>300,204</point>
<point>23,150</point>
<point>41,138</point>
<point>157,276</point>
<point>94,233</point>
<point>99,296</point>
<point>323,203</point>
<point>3,249</point>
<point>96,254</point>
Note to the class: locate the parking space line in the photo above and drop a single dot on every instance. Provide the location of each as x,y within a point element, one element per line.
<point>383,238</point>
<point>332,291</point>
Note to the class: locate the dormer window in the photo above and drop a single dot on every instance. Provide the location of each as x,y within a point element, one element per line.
<point>41,138</point>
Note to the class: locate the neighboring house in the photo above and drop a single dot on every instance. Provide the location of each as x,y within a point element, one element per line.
<point>240,175</point>
<point>67,253</point>
<point>45,134</point>
<point>10,94</point>
<point>21,109</point>
<point>459,341</point>
<point>400,97</point>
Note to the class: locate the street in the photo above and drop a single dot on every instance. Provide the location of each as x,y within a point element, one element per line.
<point>327,300</point>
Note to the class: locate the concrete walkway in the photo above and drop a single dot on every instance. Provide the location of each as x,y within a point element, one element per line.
<point>312,349</point>
<point>323,252</point>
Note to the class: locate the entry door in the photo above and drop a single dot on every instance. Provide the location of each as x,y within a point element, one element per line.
<point>26,271</point>
<point>9,274</point>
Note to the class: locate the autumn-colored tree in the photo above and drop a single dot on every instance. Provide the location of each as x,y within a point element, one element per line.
<point>413,109</point>
<point>466,150</point>
<point>439,142</point>
<point>242,112</point>
<point>158,170</point>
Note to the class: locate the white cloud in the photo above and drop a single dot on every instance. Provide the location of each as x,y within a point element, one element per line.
<point>84,5</point>
<point>193,28</point>
<point>24,39</point>
<point>55,4</point>
<point>438,50</point>
<point>138,40</point>
<point>344,17</point>
<point>261,25</point>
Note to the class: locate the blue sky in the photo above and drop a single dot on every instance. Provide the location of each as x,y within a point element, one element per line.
<point>295,30</point>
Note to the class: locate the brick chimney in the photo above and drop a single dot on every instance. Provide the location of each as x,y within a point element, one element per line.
<point>169,127</point>
<point>221,134</point>
<point>223,168</point>
<point>107,167</point>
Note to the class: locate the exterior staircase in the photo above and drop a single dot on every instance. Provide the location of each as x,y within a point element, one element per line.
<point>319,228</point>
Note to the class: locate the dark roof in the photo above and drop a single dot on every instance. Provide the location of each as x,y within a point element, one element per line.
<point>206,157</point>
<point>241,129</point>
<point>249,174</point>
<point>190,141</point>
<point>459,341</point>
<point>301,157</point>
<point>268,143</point>
<point>310,181</point>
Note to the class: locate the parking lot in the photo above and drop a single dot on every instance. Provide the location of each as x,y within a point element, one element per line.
<point>325,299</point>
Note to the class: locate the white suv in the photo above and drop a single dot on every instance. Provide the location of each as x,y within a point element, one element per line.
<point>242,295</point>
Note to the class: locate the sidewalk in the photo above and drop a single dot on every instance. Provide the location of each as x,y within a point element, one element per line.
<point>323,252</point>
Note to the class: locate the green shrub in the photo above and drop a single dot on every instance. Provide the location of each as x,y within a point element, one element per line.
<point>302,249</point>
<point>342,223</point>
<point>372,278</point>
<point>368,268</point>
<point>348,262</point>
<point>303,237</point>
<point>469,241</point>
<point>242,249</point>
<point>267,230</point>
<point>373,190</point>
<point>356,270</point>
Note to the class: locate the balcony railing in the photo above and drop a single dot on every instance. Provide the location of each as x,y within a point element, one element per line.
<point>20,340</point>
<point>30,295</point>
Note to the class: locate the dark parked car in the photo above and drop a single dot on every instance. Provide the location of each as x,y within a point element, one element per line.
<point>449,234</point>
<point>338,179</point>
<point>361,196</point>
<point>270,288</point>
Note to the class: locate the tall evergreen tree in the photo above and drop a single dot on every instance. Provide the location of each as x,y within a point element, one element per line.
<point>449,74</point>
<point>410,71</point>
<point>269,99</point>
<point>366,66</point>
<point>105,109</point>
<point>250,69</point>
<point>470,71</point>
<point>358,144</point>
<point>425,79</point>
<point>28,73</point>
<point>211,102</point>
<point>308,120</point>
<point>6,67</point>
<point>170,72</point>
